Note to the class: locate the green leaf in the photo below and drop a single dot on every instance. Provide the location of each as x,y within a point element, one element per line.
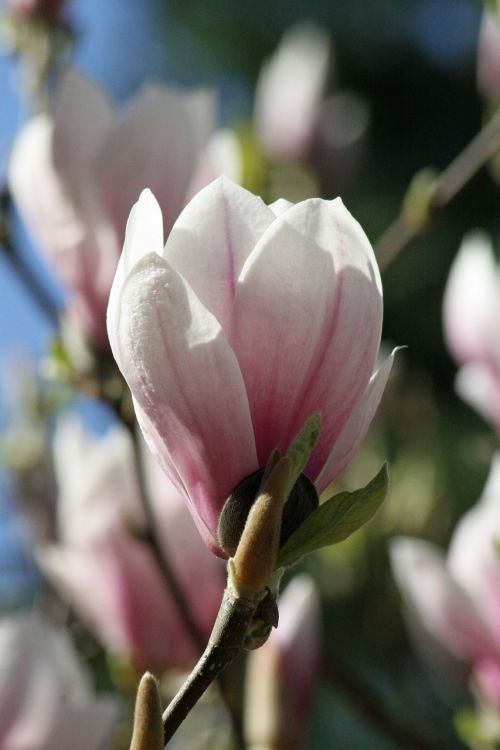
<point>335,519</point>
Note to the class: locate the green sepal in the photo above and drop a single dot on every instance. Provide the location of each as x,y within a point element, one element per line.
<point>304,442</point>
<point>335,519</point>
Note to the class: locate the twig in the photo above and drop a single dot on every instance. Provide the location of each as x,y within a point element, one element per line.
<point>21,268</point>
<point>369,705</point>
<point>225,644</point>
<point>447,184</point>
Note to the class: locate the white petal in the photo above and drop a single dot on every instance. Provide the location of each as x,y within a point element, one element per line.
<point>289,91</point>
<point>157,143</point>
<point>144,235</point>
<point>473,557</point>
<point>211,240</point>
<point>185,377</point>
<point>438,602</point>
<point>470,299</point>
<point>306,325</point>
<point>357,426</point>
<point>83,118</point>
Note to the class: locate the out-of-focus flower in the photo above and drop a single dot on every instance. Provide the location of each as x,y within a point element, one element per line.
<point>488,55</point>
<point>471,313</point>
<point>47,10</point>
<point>281,675</point>
<point>289,92</point>
<point>104,567</point>
<point>455,601</point>
<point>76,175</point>
<point>250,319</point>
<point>45,698</point>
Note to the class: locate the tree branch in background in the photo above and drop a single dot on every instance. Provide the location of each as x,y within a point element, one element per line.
<point>21,268</point>
<point>440,191</point>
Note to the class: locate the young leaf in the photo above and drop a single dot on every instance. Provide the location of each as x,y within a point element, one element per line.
<point>335,519</point>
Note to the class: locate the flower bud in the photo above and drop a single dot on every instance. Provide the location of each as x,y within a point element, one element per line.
<point>302,501</point>
<point>148,726</point>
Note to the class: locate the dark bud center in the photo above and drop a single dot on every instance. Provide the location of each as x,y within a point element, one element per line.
<point>301,503</point>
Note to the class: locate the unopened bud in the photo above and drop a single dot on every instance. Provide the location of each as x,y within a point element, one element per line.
<point>302,501</point>
<point>148,725</point>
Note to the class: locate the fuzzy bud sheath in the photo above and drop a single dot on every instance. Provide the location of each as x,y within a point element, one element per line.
<point>148,727</point>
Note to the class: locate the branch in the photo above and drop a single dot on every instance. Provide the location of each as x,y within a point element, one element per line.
<point>225,644</point>
<point>446,186</point>
<point>21,267</point>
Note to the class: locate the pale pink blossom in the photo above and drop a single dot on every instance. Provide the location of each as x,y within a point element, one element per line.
<point>46,702</point>
<point>106,570</point>
<point>488,55</point>
<point>471,315</point>
<point>289,92</point>
<point>455,600</point>
<point>251,318</point>
<point>282,674</point>
<point>75,176</point>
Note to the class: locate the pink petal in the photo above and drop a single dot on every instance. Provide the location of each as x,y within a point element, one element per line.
<point>470,299</point>
<point>201,574</point>
<point>156,142</point>
<point>185,377</point>
<point>212,239</point>
<point>306,325</point>
<point>473,558</point>
<point>83,118</point>
<point>478,385</point>
<point>65,222</point>
<point>41,198</point>
<point>438,602</point>
<point>487,677</point>
<point>156,446</point>
<point>289,91</point>
<point>356,427</point>
<point>47,701</point>
<point>222,156</point>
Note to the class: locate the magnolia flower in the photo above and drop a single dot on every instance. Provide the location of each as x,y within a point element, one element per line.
<point>455,600</point>
<point>281,675</point>
<point>488,55</point>
<point>251,318</point>
<point>471,312</point>
<point>76,175</point>
<point>106,570</point>
<point>45,698</point>
<point>289,92</point>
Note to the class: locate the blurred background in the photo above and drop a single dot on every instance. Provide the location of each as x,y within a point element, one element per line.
<point>398,95</point>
